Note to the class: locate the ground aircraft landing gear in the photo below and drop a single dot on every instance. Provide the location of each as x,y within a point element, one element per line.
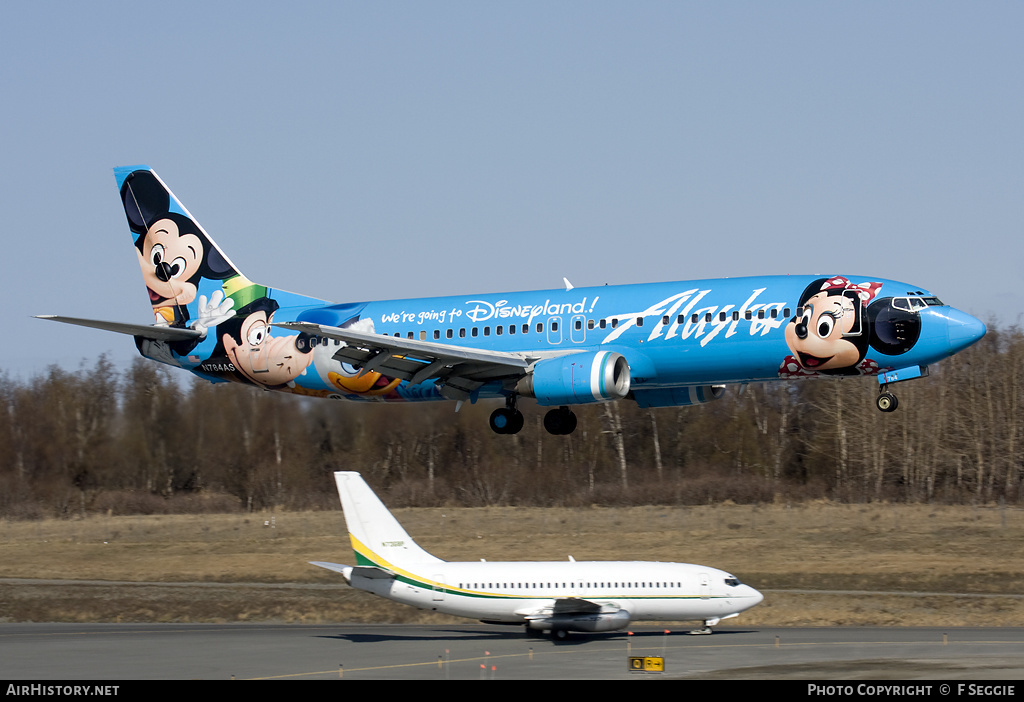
<point>507,419</point>
<point>886,401</point>
<point>706,629</point>
<point>560,421</point>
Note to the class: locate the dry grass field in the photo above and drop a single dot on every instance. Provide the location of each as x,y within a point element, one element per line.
<point>966,563</point>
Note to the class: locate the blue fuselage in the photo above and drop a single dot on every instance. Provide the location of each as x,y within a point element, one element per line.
<point>673,335</point>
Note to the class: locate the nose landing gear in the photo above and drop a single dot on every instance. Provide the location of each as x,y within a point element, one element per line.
<point>886,401</point>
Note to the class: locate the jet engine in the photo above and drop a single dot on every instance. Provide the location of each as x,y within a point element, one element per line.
<point>678,397</point>
<point>578,378</point>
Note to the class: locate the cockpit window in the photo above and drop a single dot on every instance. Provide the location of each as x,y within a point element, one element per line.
<point>913,304</point>
<point>908,304</point>
<point>732,582</point>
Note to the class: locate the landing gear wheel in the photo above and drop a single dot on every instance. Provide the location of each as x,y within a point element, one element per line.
<point>560,422</point>
<point>559,634</point>
<point>887,402</point>
<point>506,420</point>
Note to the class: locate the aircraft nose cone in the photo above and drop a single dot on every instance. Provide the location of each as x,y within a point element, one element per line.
<point>751,597</point>
<point>963,329</point>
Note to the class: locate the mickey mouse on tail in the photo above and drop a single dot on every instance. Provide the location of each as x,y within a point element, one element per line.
<point>837,322</point>
<point>174,254</point>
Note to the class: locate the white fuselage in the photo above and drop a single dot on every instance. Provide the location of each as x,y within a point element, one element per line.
<point>517,591</point>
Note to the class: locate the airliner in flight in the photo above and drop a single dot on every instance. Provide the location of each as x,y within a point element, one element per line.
<point>551,596</point>
<point>656,344</point>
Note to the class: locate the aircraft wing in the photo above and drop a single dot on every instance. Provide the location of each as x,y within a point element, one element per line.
<point>576,605</point>
<point>461,370</point>
<point>568,605</point>
<point>147,331</point>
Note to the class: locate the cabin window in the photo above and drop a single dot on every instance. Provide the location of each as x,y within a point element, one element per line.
<point>747,315</point>
<point>721,316</point>
<point>736,315</point>
<point>487,331</point>
<point>498,330</point>
<point>579,324</point>
<point>664,320</point>
<point>423,334</point>
<point>615,323</point>
<point>707,317</point>
<point>511,328</point>
<point>760,313</point>
<point>540,327</point>
<point>437,333</point>
<point>409,335</point>
<point>639,321</point>
<point>449,333</point>
<point>603,323</point>
<point>785,312</point>
<point>694,318</point>
<point>474,331</point>
<point>775,313</point>
<point>462,333</point>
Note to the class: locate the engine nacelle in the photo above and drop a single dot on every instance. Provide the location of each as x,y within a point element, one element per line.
<point>578,378</point>
<point>678,397</point>
<point>604,621</point>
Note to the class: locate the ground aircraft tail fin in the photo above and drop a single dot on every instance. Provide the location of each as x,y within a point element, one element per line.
<point>377,537</point>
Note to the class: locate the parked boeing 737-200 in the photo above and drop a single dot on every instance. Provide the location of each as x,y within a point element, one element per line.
<point>657,344</point>
<point>555,596</point>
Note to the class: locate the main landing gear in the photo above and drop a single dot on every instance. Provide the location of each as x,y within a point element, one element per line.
<point>509,420</point>
<point>886,401</point>
<point>561,421</point>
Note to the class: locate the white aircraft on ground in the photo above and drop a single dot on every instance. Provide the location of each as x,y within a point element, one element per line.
<point>552,596</point>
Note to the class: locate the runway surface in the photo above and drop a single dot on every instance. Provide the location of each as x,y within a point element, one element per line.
<point>123,652</point>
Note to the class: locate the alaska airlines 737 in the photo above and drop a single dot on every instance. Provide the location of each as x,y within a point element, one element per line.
<point>553,596</point>
<point>657,344</point>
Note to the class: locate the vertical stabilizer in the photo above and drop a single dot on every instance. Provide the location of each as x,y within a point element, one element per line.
<point>377,537</point>
<point>179,261</point>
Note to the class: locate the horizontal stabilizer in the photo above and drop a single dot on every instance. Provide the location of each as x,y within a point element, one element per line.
<point>371,572</point>
<point>336,567</point>
<point>146,331</point>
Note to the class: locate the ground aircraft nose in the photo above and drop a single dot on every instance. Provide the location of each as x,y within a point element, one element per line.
<point>963,329</point>
<point>752,597</point>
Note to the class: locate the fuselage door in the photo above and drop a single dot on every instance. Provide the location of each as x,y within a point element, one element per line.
<point>554,330</point>
<point>578,329</point>
<point>705,585</point>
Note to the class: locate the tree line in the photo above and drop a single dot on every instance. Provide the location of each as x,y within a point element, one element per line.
<point>146,439</point>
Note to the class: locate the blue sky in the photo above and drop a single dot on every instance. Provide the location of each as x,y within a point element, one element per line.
<point>354,150</point>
